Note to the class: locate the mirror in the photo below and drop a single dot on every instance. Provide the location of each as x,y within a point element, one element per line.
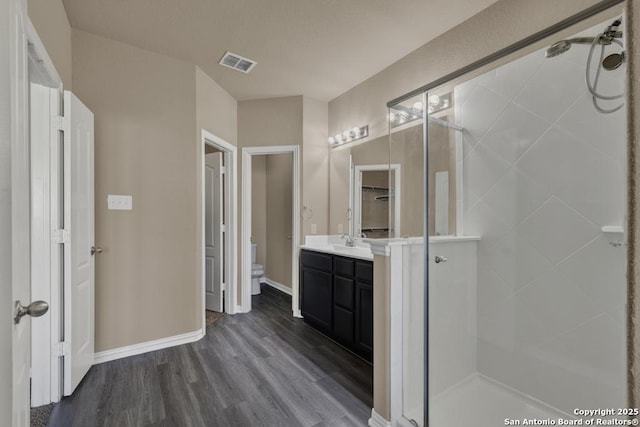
<point>377,187</point>
<point>406,142</point>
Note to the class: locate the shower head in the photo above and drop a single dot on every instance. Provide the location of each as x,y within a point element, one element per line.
<point>613,61</point>
<point>562,46</point>
<point>558,48</point>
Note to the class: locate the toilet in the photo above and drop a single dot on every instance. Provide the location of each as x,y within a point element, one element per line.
<point>257,271</point>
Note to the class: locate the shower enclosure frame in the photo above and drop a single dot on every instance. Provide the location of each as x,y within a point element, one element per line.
<point>539,36</point>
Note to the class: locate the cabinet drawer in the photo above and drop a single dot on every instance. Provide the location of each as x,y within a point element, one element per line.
<point>343,290</point>
<point>344,266</point>
<point>316,260</point>
<point>364,271</point>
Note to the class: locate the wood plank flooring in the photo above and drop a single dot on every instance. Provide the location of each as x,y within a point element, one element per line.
<point>263,368</point>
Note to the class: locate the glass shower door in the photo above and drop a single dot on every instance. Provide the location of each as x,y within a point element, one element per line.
<point>526,316</point>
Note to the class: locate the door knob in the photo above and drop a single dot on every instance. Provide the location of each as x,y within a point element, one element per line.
<point>35,309</point>
<point>439,259</point>
<point>95,250</point>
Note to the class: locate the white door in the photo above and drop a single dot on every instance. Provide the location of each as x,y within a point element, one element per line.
<point>79,258</point>
<point>213,231</point>
<point>15,206</point>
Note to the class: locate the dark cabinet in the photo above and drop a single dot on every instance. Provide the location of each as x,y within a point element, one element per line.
<point>337,299</point>
<point>316,297</point>
<point>364,320</point>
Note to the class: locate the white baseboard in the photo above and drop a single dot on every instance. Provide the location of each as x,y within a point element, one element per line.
<point>276,285</point>
<point>378,420</point>
<point>145,347</point>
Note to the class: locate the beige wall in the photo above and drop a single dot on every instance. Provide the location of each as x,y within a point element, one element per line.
<point>279,219</point>
<point>381,337</point>
<point>470,41</point>
<point>268,122</point>
<point>315,167</point>
<point>259,206</point>
<point>50,21</point>
<point>339,170</point>
<point>216,110</point>
<point>145,145</point>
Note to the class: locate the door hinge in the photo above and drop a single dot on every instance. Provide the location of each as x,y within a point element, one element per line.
<point>223,170</point>
<point>58,123</point>
<point>61,236</point>
<point>223,228</point>
<point>223,286</point>
<point>61,349</point>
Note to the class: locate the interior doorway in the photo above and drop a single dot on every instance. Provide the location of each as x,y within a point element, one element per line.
<point>219,212</point>
<point>285,237</point>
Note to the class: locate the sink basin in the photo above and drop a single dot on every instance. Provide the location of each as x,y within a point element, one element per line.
<point>353,250</point>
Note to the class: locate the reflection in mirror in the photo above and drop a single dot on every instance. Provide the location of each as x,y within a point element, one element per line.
<point>374,199</point>
<point>407,150</point>
<point>371,196</point>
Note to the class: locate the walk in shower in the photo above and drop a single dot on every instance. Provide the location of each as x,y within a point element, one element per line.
<point>526,257</point>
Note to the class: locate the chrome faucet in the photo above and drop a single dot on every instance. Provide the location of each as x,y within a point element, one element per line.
<point>349,240</point>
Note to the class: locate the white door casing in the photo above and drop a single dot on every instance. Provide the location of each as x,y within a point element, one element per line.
<point>230,209</point>
<point>213,232</point>
<point>247,154</point>
<point>79,260</point>
<point>20,216</point>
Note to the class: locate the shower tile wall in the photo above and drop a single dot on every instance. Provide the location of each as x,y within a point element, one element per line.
<point>543,173</point>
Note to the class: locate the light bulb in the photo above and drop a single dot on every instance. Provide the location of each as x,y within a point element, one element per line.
<point>434,100</point>
<point>338,138</point>
<point>356,132</point>
<point>392,117</point>
<point>431,110</point>
<point>418,106</point>
<point>345,135</point>
<point>332,140</point>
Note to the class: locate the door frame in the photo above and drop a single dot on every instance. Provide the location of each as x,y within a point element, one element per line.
<point>230,212</point>
<point>356,198</point>
<point>47,374</point>
<point>247,154</point>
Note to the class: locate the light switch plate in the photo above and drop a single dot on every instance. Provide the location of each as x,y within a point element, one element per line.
<point>340,229</point>
<point>314,228</point>
<point>117,202</point>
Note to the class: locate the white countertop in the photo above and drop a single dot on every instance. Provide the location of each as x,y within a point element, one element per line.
<point>335,245</point>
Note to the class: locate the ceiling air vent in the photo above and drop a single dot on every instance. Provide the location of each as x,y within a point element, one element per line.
<point>237,62</point>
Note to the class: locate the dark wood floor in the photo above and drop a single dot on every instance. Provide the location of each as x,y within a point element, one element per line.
<point>263,368</point>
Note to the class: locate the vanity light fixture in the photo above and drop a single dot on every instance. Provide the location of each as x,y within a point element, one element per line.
<point>405,114</point>
<point>349,135</point>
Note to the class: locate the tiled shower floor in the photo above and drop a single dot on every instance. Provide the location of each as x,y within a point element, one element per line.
<point>481,402</point>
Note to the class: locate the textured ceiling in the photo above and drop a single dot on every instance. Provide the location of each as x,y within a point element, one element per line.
<point>317,48</point>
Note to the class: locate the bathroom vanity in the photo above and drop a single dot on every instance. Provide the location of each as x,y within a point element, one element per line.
<point>337,297</point>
